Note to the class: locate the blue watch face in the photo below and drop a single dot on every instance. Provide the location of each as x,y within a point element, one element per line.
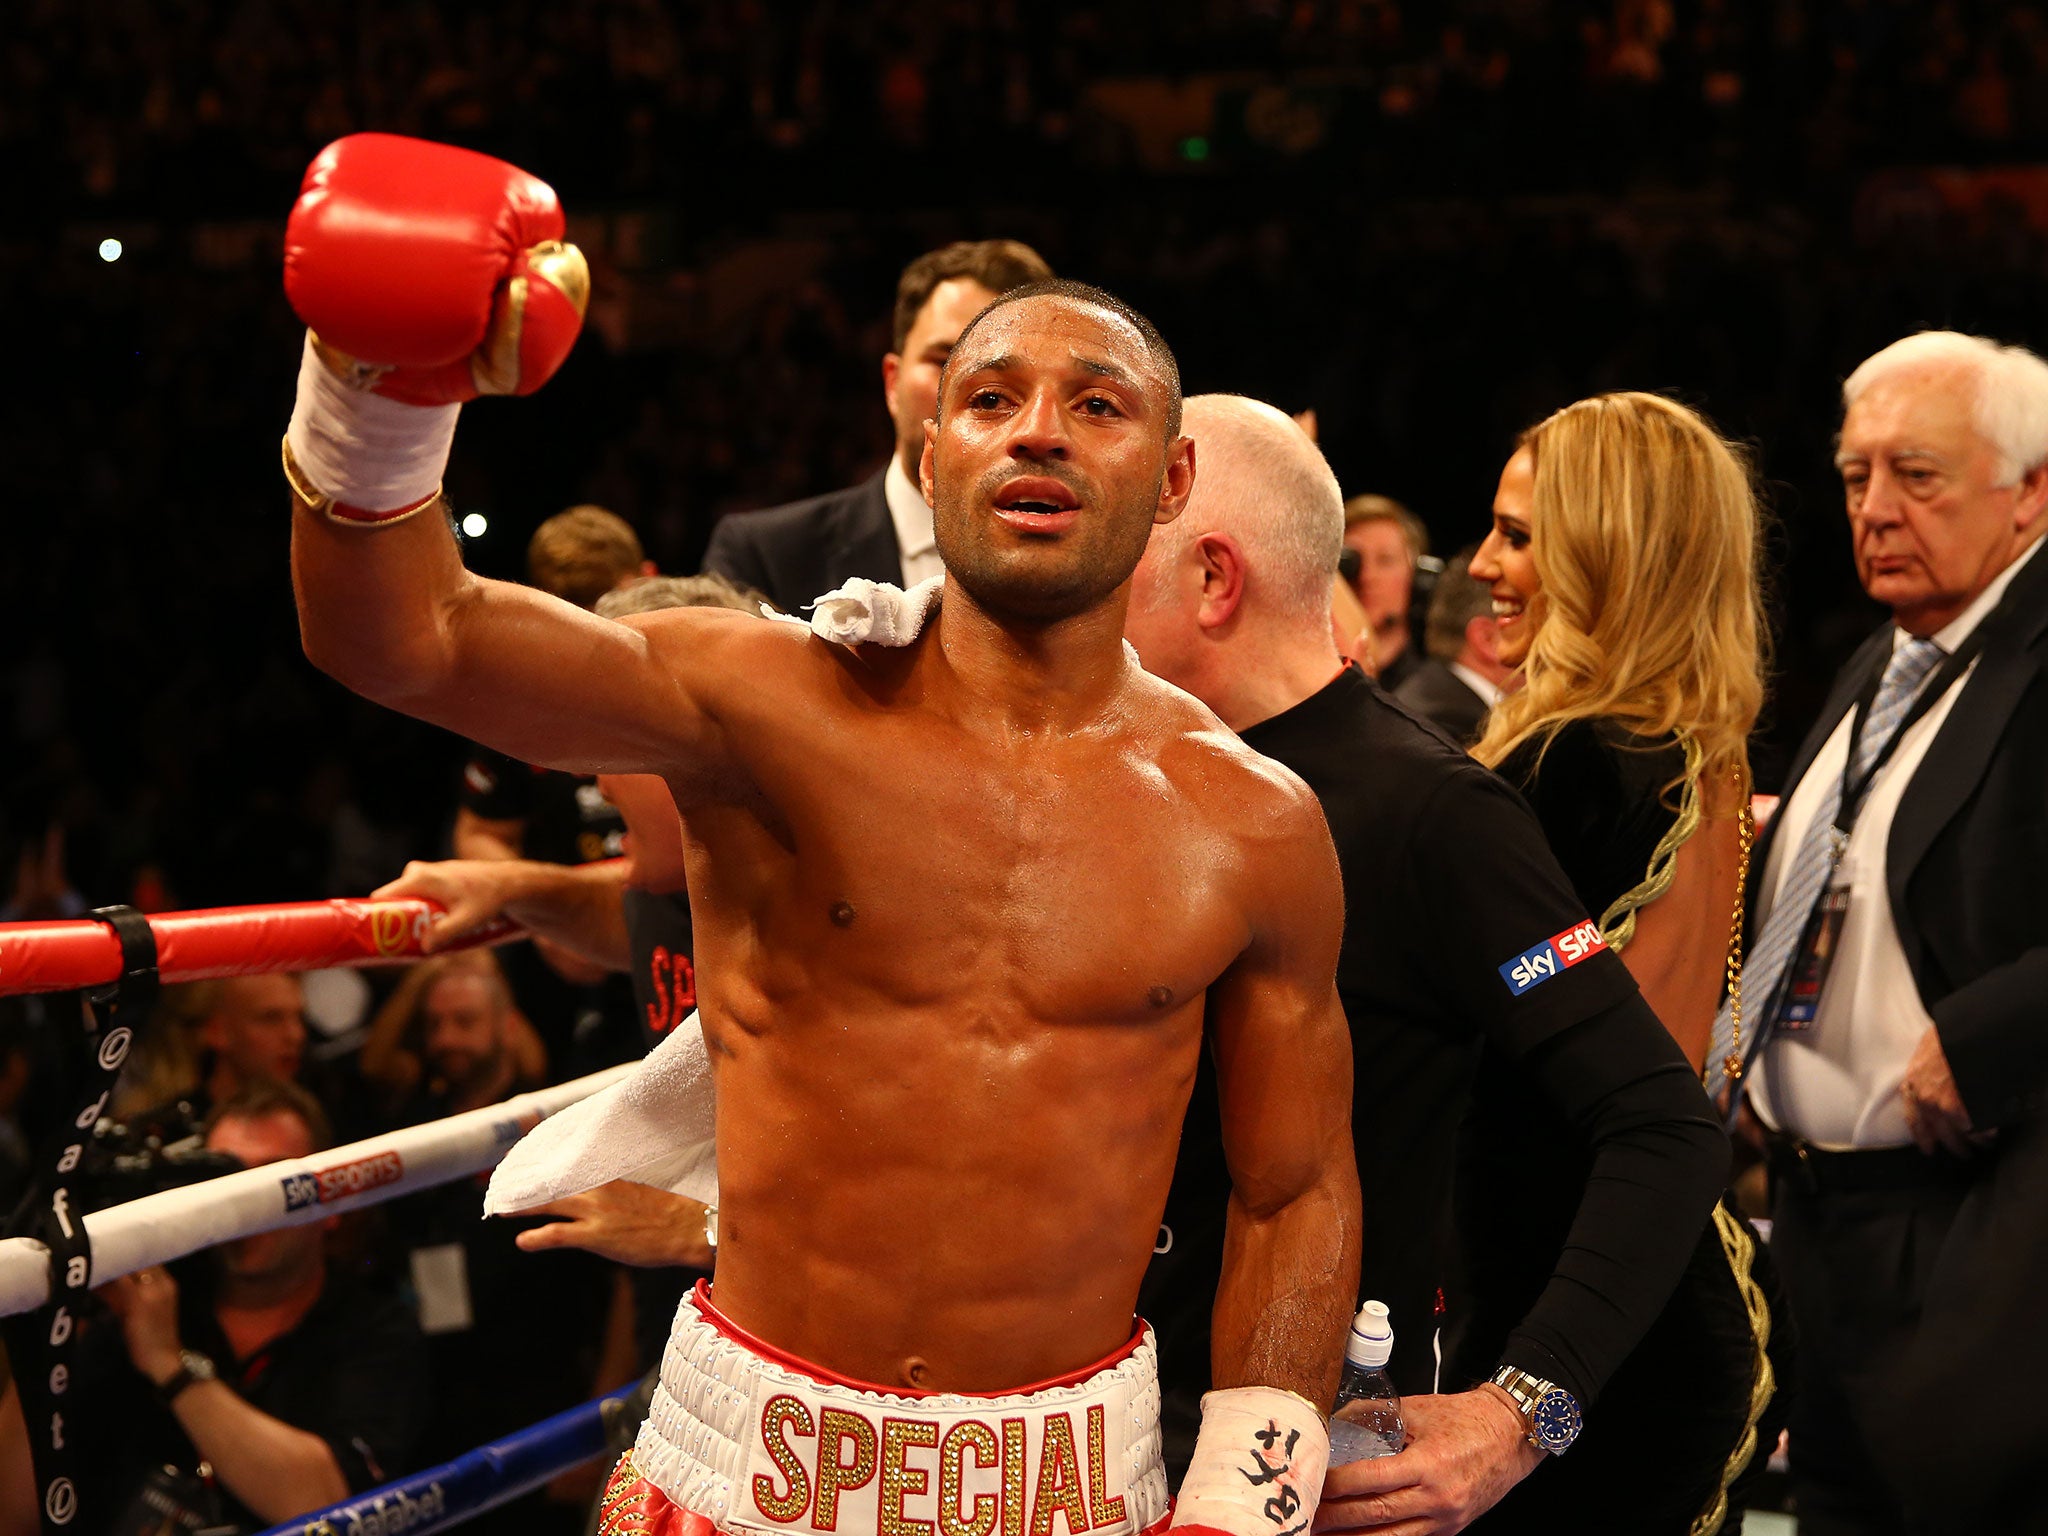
<point>1556,1420</point>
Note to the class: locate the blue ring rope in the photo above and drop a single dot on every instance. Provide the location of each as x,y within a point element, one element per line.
<point>476,1481</point>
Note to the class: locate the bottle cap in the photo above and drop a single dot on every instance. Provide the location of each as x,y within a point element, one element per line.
<point>1371,1344</point>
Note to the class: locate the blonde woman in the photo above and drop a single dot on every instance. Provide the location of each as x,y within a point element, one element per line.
<point>1623,567</point>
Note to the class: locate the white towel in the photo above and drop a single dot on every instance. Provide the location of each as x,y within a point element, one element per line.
<point>653,1127</point>
<point>864,612</point>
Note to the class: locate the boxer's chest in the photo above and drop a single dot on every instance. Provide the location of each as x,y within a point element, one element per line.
<point>1074,878</point>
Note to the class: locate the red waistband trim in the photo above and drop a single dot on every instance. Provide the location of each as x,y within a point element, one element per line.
<point>724,1325</point>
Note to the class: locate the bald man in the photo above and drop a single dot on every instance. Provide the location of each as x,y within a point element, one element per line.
<point>1447,882</point>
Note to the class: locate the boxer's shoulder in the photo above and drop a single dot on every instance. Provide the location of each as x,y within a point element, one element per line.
<point>1247,792</point>
<point>728,654</point>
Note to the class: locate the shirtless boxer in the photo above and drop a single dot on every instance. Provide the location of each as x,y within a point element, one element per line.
<point>952,1061</point>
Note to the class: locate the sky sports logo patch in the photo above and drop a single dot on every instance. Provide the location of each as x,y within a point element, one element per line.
<point>327,1185</point>
<point>1552,957</point>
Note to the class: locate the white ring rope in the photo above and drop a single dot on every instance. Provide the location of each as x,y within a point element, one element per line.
<point>169,1225</point>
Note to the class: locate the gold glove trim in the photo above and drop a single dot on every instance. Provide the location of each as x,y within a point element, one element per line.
<point>494,367</point>
<point>562,264</point>
<point>354,517</point>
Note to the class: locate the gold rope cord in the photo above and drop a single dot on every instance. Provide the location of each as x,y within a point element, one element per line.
<point>1737,1244</point>
<point>1618,922</point>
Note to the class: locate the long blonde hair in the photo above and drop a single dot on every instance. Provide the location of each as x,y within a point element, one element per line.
<point>1644,531</point>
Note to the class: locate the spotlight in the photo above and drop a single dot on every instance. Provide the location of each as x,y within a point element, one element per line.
<point>475,525</point>
<point>110,249</point>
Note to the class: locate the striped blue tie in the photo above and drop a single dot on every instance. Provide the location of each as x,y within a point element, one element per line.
<point>1801,888</point>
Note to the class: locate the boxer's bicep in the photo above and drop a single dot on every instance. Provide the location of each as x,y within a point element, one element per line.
<point>1283,1049</point>
<point>392,613</point>
<point>1283,1056</point>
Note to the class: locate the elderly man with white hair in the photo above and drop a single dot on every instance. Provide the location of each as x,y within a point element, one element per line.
<point>1897,991</point>
<point>1448,887</point>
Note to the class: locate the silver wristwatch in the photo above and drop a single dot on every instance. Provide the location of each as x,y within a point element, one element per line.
<point>1552,1415</point>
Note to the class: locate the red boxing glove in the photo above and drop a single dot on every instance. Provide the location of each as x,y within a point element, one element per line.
<point>432,274</point>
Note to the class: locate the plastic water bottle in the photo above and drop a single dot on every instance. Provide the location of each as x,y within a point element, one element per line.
<point>1379,1432</point>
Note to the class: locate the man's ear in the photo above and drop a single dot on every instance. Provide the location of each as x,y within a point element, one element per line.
<point>1222,564</point>
<point>1483,635</point>
<point>892,366</point>
<point>1178,483</point>
<point>2029,497</point>
<point>924,461</point>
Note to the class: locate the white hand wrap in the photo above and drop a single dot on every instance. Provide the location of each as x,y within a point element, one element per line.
<point>1258,1464</point>
<point>368,454</point>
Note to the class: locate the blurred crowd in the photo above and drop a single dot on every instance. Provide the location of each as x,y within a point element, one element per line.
<point>216,105</point>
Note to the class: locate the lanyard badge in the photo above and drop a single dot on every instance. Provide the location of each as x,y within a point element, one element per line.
<point>1807,976</point>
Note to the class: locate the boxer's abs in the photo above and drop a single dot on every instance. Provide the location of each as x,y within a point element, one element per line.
<point>956,1204</point>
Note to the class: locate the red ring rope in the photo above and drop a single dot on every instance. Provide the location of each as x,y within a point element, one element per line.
<point>228,941</point>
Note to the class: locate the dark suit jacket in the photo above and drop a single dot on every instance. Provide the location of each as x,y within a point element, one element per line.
<point>1437,693</point>
<point>1967,871</point>
<point>799,552</point>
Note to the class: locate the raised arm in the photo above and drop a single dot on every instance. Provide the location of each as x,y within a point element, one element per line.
<point>1290,1254</point>
<point>392,613</point>
<point>429,275</point>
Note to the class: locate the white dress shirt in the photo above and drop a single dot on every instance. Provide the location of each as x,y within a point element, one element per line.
<point>916,545</point>
<point>1837,1084</point>
<point>1489,694</point>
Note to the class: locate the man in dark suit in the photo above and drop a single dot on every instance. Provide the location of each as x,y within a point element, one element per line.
<point>881,528</point>
<point>1462,678</point>
<point>1897,989</point>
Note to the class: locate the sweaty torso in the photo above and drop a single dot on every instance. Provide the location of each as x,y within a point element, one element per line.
<point>952,976</point>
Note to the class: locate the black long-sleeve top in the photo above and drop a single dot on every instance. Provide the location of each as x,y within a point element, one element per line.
<point>1465,945</point>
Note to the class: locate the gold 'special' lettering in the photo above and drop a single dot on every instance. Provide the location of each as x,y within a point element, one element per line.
<point>962,1437</point>
<point>781,1414</point>
<point>836,1476</point>
<point>1059,1480</point>
<point>1013,1477</point>
<point>900,1480</point>
<point>1102,1509</point>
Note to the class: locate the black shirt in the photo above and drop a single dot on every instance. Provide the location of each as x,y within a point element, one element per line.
<point>351,1372</point>
<point>1462,939</point>
<point>1602,796</point>
<point>664,976</point>
<point>568,820</point>
<point>1598,794</point>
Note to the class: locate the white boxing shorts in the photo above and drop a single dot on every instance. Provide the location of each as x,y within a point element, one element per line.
<point>742,1437</point>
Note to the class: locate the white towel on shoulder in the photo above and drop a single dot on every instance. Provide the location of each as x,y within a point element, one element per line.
<point>864,612</point>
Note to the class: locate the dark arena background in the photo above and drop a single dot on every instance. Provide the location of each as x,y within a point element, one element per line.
<point>1429,224</point>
